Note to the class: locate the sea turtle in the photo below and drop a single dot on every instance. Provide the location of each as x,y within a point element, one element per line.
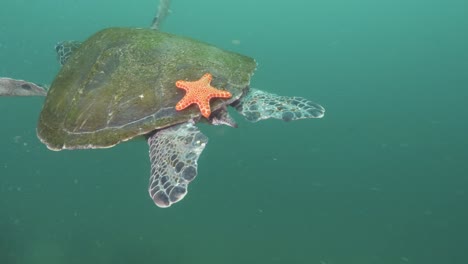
<point>122,83</point>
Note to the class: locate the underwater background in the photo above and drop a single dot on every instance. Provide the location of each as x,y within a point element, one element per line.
<point>382,178</point>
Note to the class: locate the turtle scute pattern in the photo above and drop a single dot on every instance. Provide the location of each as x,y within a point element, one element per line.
<point>174,152</point>
<point>258,105</point>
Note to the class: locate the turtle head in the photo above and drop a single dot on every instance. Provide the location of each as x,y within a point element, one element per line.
<point>222,117</point>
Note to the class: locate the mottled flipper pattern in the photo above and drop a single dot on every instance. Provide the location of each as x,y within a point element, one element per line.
<point>258,105</point>
<point>65,49</point>
<point>12,87</point>
<point>174,152</point>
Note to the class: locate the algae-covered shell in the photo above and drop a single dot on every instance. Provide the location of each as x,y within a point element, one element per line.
<point>120,83</point>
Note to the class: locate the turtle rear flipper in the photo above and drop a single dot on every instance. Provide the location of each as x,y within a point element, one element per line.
<point>13,87</point>
<point>174,152</point>
<point>258,105</point>
<point>65,49</point>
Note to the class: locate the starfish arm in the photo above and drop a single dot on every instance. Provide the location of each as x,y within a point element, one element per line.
<point>205,109</point>
<point>220,94</point>
<point>182,85</point>
<point>206,79</point>
<point>182,104</point>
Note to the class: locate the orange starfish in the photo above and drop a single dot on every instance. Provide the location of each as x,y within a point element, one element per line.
<point>200,92</point>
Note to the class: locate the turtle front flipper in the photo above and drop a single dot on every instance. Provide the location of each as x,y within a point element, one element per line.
<point>174,152</point>
<point>65,49</point>
<point>258,105</point>
<point>13,87</point>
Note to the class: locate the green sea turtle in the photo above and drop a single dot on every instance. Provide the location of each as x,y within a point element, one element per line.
<point>121,83</point>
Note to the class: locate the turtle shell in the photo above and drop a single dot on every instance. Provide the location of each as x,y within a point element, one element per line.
<point>120,83</point>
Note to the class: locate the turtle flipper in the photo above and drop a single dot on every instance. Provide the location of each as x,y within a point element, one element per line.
<point>65,49</point>
<point>12,87</point>
<point>258,105</point>
<point>174,152</point>
<point>163,10</point>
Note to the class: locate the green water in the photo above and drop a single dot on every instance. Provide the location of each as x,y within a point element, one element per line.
<point>382,178</point>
